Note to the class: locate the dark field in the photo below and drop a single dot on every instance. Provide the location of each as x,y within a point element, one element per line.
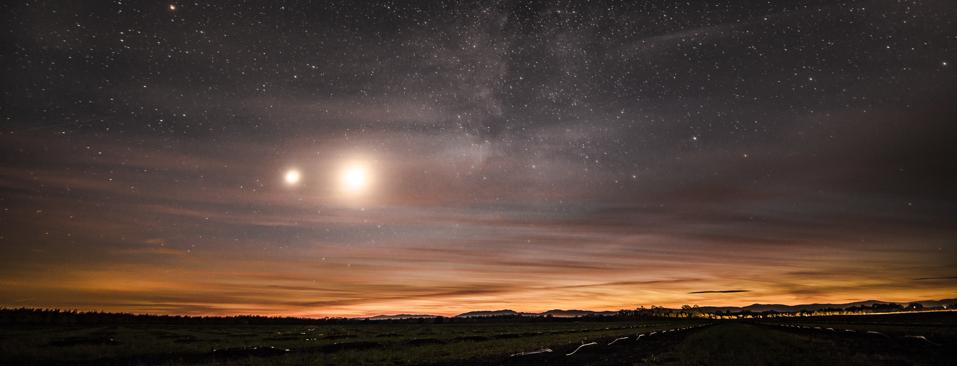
<point>921,339</point>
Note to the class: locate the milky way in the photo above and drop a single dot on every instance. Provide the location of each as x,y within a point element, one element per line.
<point>464,156</point>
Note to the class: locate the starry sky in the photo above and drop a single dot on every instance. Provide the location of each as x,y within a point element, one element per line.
<point>456,156</point>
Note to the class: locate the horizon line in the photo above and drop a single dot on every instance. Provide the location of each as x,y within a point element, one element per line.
<point>449,315</point>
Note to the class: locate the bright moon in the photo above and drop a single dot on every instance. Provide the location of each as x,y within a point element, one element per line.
<point>293,176</point>
<point>354,178</point>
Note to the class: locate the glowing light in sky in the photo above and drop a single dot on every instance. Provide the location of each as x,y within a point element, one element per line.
<point>354,178</point>
<point>292,177</point>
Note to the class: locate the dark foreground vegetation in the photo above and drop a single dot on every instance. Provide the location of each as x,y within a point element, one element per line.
<point>55,338</point>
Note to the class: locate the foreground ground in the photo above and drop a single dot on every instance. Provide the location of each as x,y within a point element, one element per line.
<point>920,339</point>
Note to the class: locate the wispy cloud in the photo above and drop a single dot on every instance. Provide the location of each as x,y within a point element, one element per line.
<point>936,278</point>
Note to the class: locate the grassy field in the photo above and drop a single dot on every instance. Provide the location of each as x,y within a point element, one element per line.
<point>740,343</point>
<point>939,326</point>
<point>791,341</point>
<point>904,339</point>
<point>373,343</point>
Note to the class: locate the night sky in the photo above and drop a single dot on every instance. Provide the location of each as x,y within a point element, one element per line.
<point>358,158</point>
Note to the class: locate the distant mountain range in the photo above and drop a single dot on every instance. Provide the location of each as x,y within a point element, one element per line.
<point>557,313</point>
<point>812,307</point>
<point>402,316</point>
<point>756,308</point>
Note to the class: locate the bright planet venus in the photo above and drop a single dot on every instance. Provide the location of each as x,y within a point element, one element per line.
<point>341,158</point>
<point>354,178</point>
